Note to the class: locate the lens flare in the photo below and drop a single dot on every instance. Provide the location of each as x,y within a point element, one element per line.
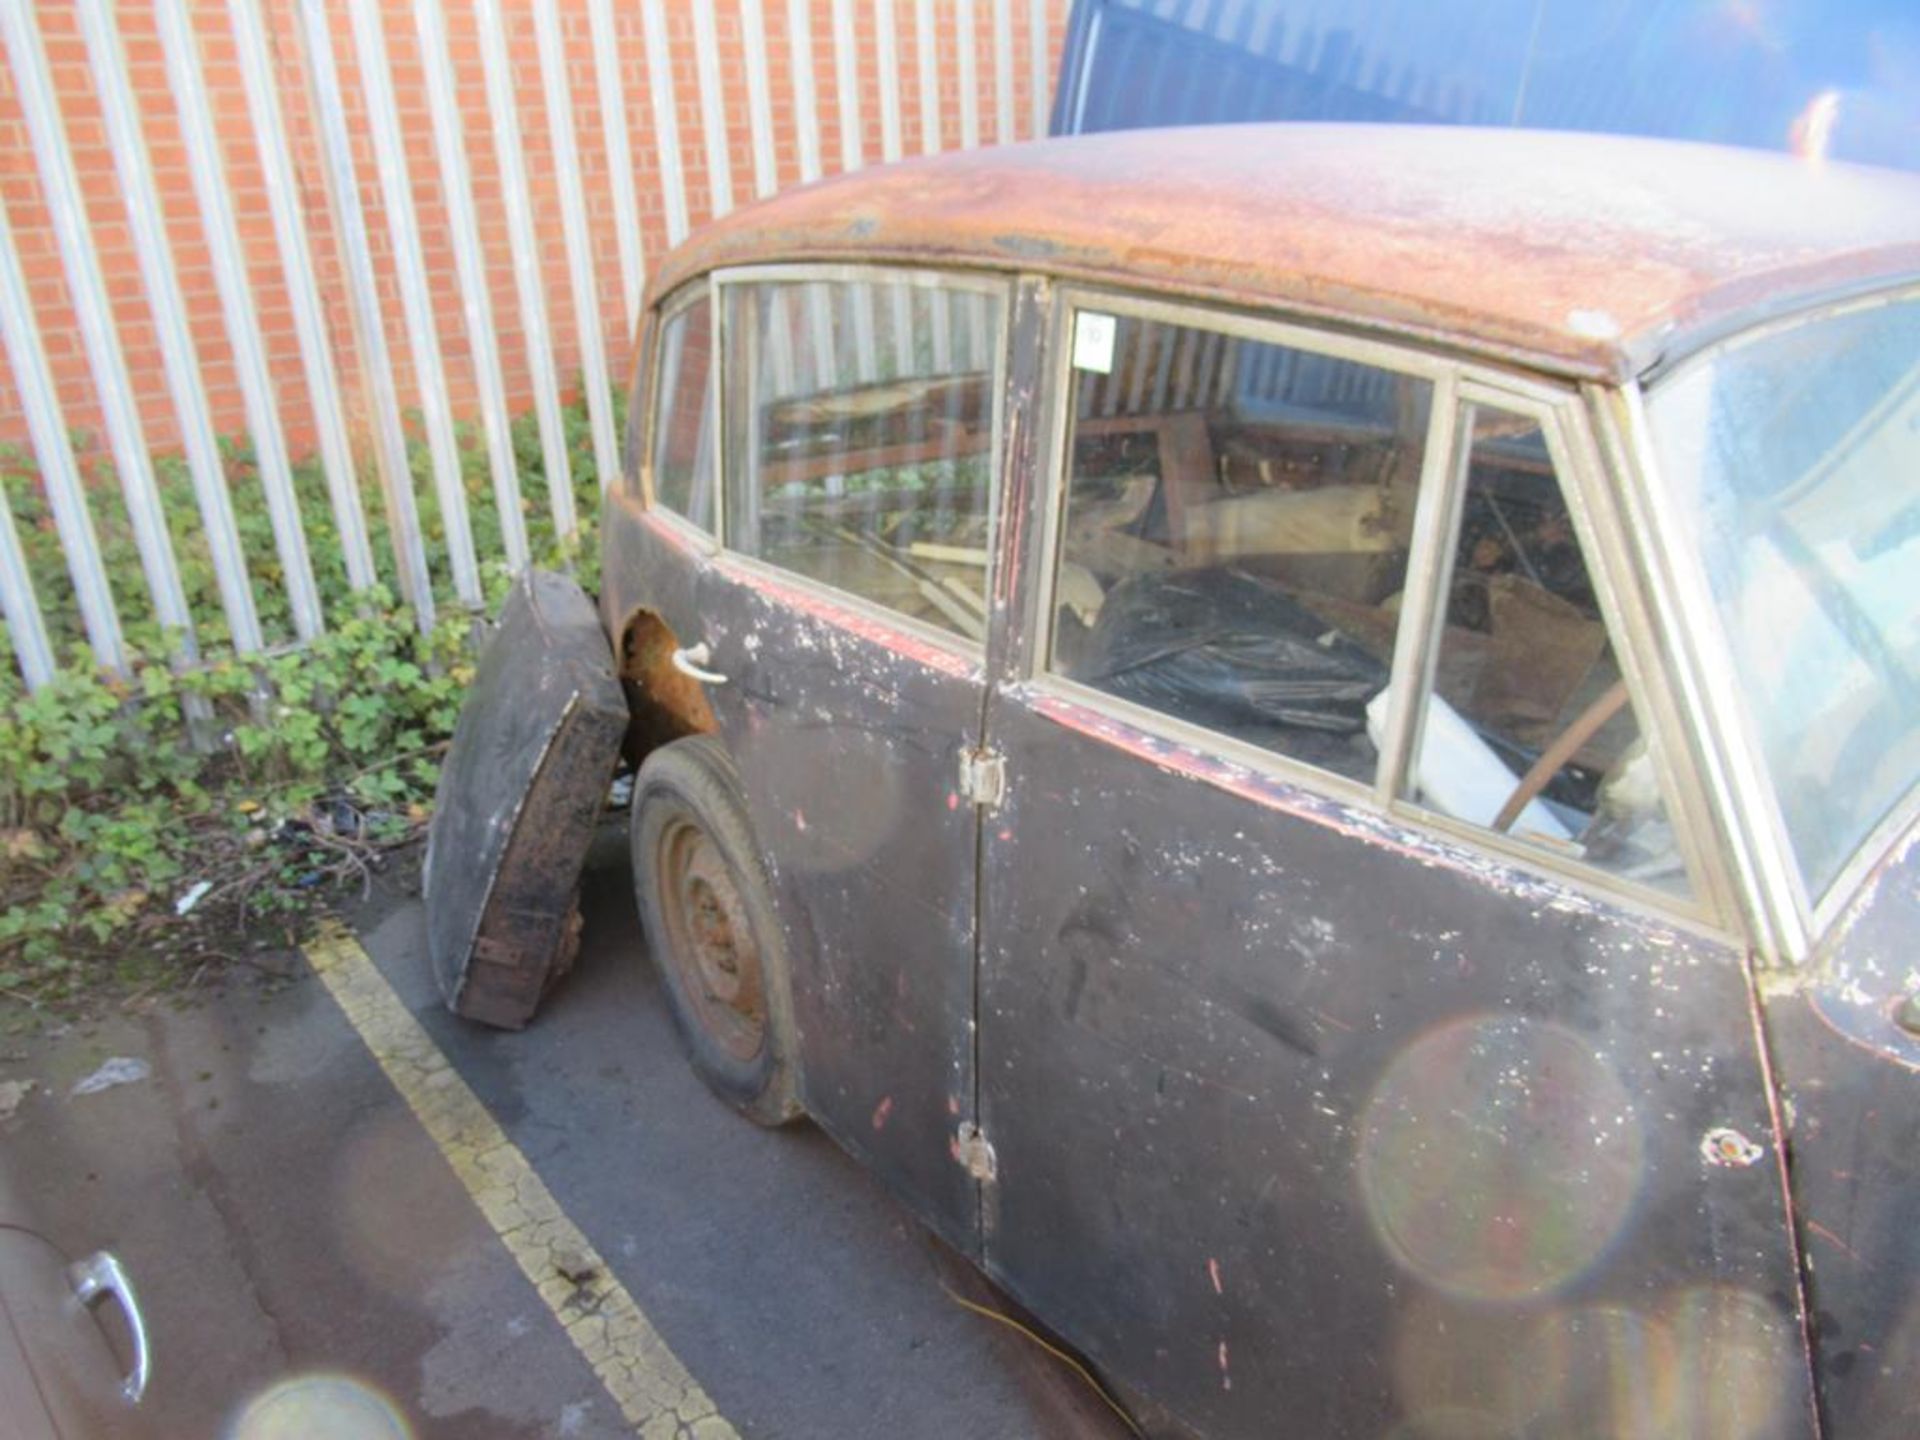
<point>1810,136</point>
<point>400,1221</point>
<point>1882,1366</point>
<point>808,770</point>
<point>1498,1157</point>
<point>1454,1370</point>
<point>1450,1424</point>
<point>1601,1371</point>
<point>1705,1361</point>
<point>320,1407</point>
<point>1733,1354</point>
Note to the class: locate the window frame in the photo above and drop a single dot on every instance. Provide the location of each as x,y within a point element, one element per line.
<point>682,299</point>
<point>1457,382</point>
<point>1605,563</point>
<point>1052,495</point>
<point>1790,923</point>
<point>997,284</point>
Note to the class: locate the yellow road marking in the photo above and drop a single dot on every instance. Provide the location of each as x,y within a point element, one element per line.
<point>646,1380</point>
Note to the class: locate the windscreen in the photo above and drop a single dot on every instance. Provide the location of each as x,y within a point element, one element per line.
<point>1794,459</point>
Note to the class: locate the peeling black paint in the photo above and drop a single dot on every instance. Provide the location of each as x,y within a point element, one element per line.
<point>1850,1077</point>
<point>524,781</point>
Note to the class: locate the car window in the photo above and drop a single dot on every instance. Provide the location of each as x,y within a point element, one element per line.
<point>1527,727</point>
<point>1236,532</point>
<point>861,421</point>
<point>1793,460</point>
<point>683,480</point>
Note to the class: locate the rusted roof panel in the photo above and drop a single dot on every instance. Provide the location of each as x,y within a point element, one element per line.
<point>1584,254</point>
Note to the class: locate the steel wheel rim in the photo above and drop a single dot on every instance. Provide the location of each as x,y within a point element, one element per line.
<point>710,940</point>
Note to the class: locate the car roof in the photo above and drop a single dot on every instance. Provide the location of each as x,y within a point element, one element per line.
<point>1589,255</point>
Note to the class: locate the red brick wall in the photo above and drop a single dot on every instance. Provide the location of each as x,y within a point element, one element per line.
<point>35,242</point>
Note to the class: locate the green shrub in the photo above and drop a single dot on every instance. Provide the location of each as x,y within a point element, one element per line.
<point>267,779</point>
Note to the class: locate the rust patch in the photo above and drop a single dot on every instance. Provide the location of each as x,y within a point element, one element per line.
<point>1584,255</point>
<point>523,784</point>
<point>665,704</point>
<point>1728,1147</point>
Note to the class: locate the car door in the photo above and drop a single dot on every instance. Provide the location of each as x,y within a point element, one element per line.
<point>59,1376</point>
<point>847,614</point>
<point>1331,1072</point>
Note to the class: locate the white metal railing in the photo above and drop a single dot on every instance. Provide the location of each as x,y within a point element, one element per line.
<point>864,35</point>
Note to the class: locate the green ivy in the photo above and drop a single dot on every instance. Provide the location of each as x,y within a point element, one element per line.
<point>266,779</point>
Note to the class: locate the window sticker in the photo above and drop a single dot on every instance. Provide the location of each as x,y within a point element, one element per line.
<point>1239,517</point>
<point>1093,342</point>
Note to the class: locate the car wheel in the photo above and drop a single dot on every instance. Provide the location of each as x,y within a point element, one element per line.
<point>707,906</point>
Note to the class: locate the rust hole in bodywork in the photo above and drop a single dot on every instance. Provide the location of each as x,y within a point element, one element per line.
<point>665,704</point>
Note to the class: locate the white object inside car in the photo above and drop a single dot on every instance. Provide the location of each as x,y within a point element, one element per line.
<point>1459,774</point>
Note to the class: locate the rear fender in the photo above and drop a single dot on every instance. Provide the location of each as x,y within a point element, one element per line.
<point>520,794</point>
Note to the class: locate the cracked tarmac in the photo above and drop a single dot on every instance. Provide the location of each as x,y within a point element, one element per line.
<point>286,1212</point>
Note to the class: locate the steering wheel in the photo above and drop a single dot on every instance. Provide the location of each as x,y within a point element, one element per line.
<point>1564,747</point>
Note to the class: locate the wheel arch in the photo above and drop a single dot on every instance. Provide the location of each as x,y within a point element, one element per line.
<point>663,704</point>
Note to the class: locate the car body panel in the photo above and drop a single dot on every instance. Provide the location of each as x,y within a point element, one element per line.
<point>655,565</point>
<point>884,1026</point>
<point>1434,1100</point>
<point>60,1378</point>
<point>523,783</point>
<point>1849,1076</point>
<point>847,730</point>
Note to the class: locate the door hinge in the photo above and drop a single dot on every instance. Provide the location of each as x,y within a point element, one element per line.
<point>983,777</point>
<point>973,1152</point>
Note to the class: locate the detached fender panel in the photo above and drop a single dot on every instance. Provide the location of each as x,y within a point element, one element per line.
<point>519,795</point>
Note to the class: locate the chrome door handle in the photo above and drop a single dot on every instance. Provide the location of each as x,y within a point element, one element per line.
<point>1907,1014</point>
<point>100,1274</point>
<point>689,662</point>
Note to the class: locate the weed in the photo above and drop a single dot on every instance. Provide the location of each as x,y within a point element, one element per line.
<point>245,786</point>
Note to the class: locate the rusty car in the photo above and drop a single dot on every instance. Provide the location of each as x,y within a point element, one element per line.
<point>1305,738</point>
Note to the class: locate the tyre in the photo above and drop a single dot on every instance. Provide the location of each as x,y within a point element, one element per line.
<point>707,906</point>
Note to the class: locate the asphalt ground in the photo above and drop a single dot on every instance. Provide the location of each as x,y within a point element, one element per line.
<point>310,1223</point>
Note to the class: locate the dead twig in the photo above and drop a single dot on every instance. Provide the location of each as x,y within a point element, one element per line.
<point>439,747</point>
<point>349,850</point>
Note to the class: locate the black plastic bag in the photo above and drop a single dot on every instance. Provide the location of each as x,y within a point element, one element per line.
<point>1224,648</point>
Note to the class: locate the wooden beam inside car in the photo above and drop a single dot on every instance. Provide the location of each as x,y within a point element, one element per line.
<point>806,468</point>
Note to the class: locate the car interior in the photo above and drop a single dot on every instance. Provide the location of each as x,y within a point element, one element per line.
<point>871,430</point>
<point>883,490</point>
<point>1235,548</point>
<point>1233,551</point>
